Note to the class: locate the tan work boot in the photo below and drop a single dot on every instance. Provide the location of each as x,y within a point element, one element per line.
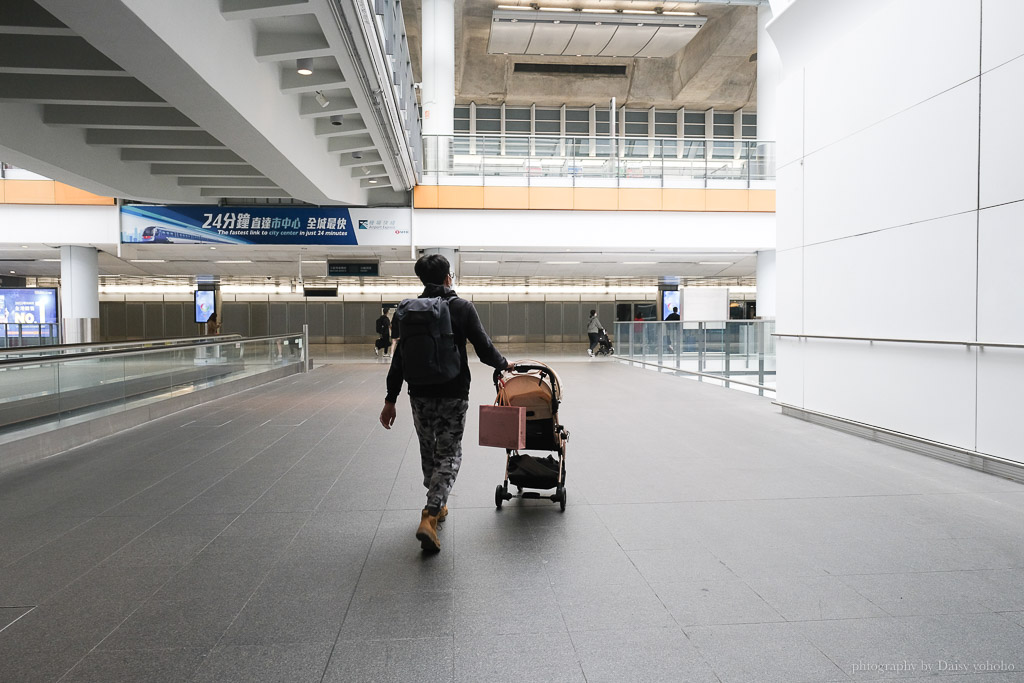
<point>442,514</point>
<point>426,534</point>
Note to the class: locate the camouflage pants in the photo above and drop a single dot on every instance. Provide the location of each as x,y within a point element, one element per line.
<point>439,425</point>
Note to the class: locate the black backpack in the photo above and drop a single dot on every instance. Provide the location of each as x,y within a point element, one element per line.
<point>429,352</point>
<point>382,325</point>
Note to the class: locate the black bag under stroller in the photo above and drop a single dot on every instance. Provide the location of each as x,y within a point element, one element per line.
<point>536,387</point>
<point>604,343</point>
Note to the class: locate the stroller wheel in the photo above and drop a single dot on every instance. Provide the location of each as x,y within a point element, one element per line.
<point>499,496</point>
<point>561,500</point>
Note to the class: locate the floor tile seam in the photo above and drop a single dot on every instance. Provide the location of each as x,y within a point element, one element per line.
<point>351,599</point>
<point>34,550</point>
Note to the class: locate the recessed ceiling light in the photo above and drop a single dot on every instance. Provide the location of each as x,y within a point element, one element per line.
<point>373,181</point>
<point>714,263</point>
<point>240,261</point>
<point>12,272</point>
<point>213,247</point>
<point>561,263</point>
<point>24,246</point>
<point>304,66</point>
<point>148,260</point>
<point>638,263</point>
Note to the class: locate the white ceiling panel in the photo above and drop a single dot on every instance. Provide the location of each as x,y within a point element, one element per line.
<point>628,41</point>
<point>511,38</point>
<point>550,39</point>
<point>589,41</point>
<point>667,41</point>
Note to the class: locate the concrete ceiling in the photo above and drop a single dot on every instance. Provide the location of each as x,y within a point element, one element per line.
<point>194,101</point>
<point>714,70</point>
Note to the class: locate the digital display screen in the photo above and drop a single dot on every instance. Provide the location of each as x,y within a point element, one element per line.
<point>669,300</point>
<point>205,306</point>
<point>28,306</point>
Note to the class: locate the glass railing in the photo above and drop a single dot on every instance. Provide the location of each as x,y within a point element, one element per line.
<point>59,390</point>
<point>598,161</point>
<point>737,353</point>
<point>92,347</point>
<point>14,335</point>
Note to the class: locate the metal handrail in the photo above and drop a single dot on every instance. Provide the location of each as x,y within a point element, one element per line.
<point>141,343</point>
<point>720,378</point>
<point>16,362</point>
<point>946,342</point>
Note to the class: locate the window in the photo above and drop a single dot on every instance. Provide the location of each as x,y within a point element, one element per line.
<point>548,127</point>
<point>636,116</point>
<point>548,115</point>
<point>577,115</point>
<point>665,117</point>
<point>636,129</point>
<point>517,114</point>
<point>490,113</point>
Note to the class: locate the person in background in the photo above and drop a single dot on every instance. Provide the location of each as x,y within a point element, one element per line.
<point>594,327</point>
<point>212,325</point>
<point>384,330</point>
<point>674,315</point>
<point>670,330</point>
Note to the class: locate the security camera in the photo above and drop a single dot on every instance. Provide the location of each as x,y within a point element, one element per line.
<point>357,155</point>
<point>337,120</point>
<point>321,99</point>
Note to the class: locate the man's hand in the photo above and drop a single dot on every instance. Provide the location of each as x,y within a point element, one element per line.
<point>387,415</point>
<point>511,367</point>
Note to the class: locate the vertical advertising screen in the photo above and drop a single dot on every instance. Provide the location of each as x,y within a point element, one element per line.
<point>205,306</point>
<point>27,307</point>
<point>669,300</point>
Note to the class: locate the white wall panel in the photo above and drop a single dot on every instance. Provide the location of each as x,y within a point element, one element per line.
<point>789,309</point>
<point>653,229</point>
<point>911,50</point>
<point>789,206</point>
<point>1000,246</point>
<point>789,378</point>
<point>1002,38</point>
<point>924,390</point>
<point>83,225</point>
<point>790,124</point>
<point>913,282</point>
<point>1000,378</point>
<point>904,169</point>
<point>1002,135</point>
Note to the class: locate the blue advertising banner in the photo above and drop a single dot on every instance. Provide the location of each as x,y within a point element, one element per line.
<point>28,306</point>
<point>143,224</point>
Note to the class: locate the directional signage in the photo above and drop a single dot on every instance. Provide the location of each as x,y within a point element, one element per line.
<point>353,268</point>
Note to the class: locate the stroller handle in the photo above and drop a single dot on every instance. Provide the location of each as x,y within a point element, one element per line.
<point>519,367</point>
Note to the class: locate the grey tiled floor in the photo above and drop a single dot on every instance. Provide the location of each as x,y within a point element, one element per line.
<point>269,537</point>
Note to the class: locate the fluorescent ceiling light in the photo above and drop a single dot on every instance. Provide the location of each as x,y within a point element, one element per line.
<point>555,9</point>
<point>479,261</point>
<point>714,263</point>
<point>638,11</point>
<point>561,263</point>
<point>599,11</point>
<point>51,260</point>
<point>148,260</point>
<point>681,14</point>
<point>314,261</point>
<point>513,7</point>
<point>240,261</point>
<point>639,263</point>
<point>399,262</point>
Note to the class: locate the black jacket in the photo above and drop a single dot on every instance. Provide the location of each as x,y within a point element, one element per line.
<point>466,326</point>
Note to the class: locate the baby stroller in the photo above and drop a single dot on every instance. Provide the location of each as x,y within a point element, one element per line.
<point>536,387</point>
<point>605,347</point>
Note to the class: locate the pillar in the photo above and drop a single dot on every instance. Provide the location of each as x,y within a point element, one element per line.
<point>79,294</point>
<point>769,75</point>
<point>766,280</point>
<point>438,42</point>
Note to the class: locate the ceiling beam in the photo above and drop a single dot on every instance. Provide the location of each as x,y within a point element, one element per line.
<point>180,139</point>
<point>149,118</point>
<point>57,55</point>
<point>258,192</point>
<point>277,47</point>
<point>212,181</point>
<point>199,170</point>
<point>182,156</point>
<point>351,125</point>
<point>350,144</point>
<point>43,89</point>
<point>292,82</point>
<point>261,9</point>
<point>339,104</point>
<point>346,160</point>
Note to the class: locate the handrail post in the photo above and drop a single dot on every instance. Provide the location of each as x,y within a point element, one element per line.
<point>760,355</point>
<point>307,361</point>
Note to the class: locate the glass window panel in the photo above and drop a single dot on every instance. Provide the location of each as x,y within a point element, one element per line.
<point>462,112</point>
<point>577,127</point>
<point>749,119</point>
<point>488,126</point>
<point>691,117</point>
<point>518,114</point>
<point>577,115</point>
<point>665,116</point>
<point>750,131</point>
<point>636,129</point>
<point>693,129</point>
<point>665,129</point>
<point>601,128</point>
<point>724,118</point>
<point>488,113</point>
<point>667,148</point>
<point>601,115</point>
<point>635,116</point>
<point>723,131</point>
<point>548,127</point>
<point>548,115</point>
<point>462,125</point>
<point>517,126</point>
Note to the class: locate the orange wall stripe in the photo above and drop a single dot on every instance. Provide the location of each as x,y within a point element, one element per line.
<point>65,194</point>
<point>726,200</point>
<point>551,198</point>
<point>506,197</point>
<point>459,197</point>
<point>762,200</point>
<point>424,197</point>
<point>595,199</point>
<point>29,192</point>
<point>639,199</point>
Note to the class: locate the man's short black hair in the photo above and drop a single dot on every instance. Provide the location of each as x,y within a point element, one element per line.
<point>432,269</point>
<point>592,311</point>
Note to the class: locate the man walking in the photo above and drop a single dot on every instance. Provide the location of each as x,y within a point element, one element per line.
<point>594,328</point>
<point>438,407</point>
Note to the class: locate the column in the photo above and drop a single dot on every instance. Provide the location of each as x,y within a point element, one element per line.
<point>766,280</point>
<point>769,75</point>
<point>438,42</point>
<point>449,253</point>
<point>79,294</point>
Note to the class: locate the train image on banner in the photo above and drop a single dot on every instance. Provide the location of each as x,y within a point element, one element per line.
<point>182,235</point>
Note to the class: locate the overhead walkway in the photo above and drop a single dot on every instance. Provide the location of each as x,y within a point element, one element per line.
<point>269,536</point>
